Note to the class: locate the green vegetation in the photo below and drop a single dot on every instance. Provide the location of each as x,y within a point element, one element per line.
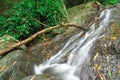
<point>106,2</point>
<point>18,19</point>
<point>110,74</point>
<point>17,16</point>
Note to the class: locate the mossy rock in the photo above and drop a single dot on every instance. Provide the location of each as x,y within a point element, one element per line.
<point>7,41</point>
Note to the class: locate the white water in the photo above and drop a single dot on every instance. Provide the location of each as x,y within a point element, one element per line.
<point>79,49</point>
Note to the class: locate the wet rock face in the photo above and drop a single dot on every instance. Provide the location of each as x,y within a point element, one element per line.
<point>116,46</point>
<point>115,31</point>
<point>15,65</point>
<point>107,58</point>
<point>42,77</point>
<point>108,46</point>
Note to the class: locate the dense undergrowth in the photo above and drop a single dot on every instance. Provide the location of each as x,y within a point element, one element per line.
<point>106,2</point>
<point>17,16</point>
<point>19,22</point>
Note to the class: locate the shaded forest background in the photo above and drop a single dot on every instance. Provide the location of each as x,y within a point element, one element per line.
<point>20,18</point>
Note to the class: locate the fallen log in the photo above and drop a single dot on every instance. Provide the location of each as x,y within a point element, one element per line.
<point>4,52</point>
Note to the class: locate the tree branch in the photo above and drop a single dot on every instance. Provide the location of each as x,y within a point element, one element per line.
<point>4,52</point>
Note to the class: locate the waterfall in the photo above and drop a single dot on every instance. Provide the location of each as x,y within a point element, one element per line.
<point>79,47</point>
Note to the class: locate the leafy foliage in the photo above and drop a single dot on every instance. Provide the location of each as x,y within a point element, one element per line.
<point>108,1</point>
<point>18,19</point>
<point>105,2</point>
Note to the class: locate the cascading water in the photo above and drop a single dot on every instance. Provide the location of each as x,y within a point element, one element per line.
<point>79,49</point>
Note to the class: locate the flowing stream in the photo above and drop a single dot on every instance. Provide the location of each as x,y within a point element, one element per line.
<point>79,49</point>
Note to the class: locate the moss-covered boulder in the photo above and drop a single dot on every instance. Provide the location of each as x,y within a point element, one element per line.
<point>15,65</point>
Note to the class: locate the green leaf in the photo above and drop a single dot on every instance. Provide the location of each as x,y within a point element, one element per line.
<point>17,21</point>
<point>6,40</point>
<point>110,75</point>
<point>113,1</point>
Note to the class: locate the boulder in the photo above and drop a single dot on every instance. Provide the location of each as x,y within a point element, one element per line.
<point>107,51</point>
<point>40,77</point>
<point>15,64</point>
